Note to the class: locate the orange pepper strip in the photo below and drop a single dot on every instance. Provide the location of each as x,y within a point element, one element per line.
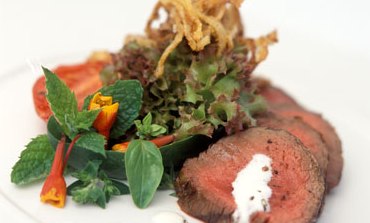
<point>159,142</point>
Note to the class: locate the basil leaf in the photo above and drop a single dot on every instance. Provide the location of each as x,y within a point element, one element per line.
<point>92,141</point>
<point>128,93</point>
<point>144,170</point>
<point>145,128</point>
<point>35,161</point>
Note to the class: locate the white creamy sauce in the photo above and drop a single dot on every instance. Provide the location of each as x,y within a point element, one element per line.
<point>168,217</point>
<point>251,191</point>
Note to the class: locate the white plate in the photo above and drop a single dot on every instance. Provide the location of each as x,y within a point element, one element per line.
<point>321,59</point>
<point>19,124</point>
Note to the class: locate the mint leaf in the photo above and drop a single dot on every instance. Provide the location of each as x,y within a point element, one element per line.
<point>128,93</point>
<point>62,102</point>
<point>35,161</point>
<point>85,119</point>
<point>94,186</point>
<point>92,141</point>
<point>144,170</point>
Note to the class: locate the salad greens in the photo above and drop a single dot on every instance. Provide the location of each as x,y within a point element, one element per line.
<point>197,94</point>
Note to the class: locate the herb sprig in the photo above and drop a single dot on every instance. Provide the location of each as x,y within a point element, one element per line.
<point>94,185</point>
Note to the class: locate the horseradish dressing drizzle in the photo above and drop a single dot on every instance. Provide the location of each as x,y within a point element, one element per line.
<point>251,191</point>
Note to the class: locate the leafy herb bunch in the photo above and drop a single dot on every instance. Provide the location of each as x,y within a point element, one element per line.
<point>85,150</point>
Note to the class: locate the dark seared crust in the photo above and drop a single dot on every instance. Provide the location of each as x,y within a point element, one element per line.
<point>308,136</point>
<point>329,135</point>
<point>204,184</point>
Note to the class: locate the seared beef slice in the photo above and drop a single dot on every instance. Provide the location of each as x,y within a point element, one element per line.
<point>282,104</point>
<point>308,136</point>
<point>331,139</point>
<point>204,185</point>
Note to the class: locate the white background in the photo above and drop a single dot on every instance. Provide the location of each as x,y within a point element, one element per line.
<point>322,58</point>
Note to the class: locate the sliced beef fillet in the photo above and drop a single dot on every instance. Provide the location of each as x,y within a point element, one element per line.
<point>282,104</point>
<point>273,95</point>
<point>331,139</point>
<point>204,185</point>
<point>308,136</point>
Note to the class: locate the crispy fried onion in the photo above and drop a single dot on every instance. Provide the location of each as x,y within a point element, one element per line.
<point>198,21</point>
<point>258,48</point>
